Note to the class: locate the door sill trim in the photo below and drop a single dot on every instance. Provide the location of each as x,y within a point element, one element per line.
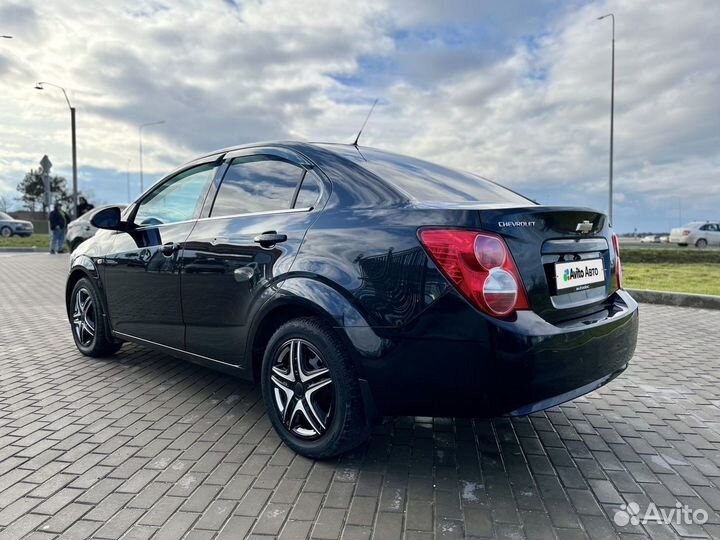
<point>187,355</point>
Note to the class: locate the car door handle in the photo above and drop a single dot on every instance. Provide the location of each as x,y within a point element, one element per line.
<point>169,248</point>
<point>270,238</point>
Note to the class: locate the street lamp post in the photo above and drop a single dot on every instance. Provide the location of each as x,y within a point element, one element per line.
<point>127,173</point>
<point>40,86</point>
<point>612,111</point>
<point>140,130</point>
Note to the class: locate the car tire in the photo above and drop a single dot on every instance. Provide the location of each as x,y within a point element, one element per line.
<point>86,315</point>
<point>702,243</point>
<point>311,390</point>
<point>6,232</point>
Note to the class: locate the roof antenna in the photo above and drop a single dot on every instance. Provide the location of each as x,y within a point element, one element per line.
<point>365,122</point>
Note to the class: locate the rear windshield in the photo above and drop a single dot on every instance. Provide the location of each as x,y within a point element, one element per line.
<point>426,182</point>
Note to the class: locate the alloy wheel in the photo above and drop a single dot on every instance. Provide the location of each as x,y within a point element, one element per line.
<point>84,319</point>
<point>303,389</point>
<point>5,232</point>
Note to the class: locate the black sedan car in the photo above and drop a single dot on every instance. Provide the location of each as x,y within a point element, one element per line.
<point>353,283</point>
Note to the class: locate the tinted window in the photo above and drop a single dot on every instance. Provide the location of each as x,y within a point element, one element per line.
<point>426,182</point>
<point>177,199</point>
<point>309,192</point>
<point>256,184</point>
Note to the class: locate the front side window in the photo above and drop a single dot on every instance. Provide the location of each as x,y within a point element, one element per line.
<point>178,199</point>
<point>256,184</point>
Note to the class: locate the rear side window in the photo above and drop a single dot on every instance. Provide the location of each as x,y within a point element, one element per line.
<point>309,192</point>
<point>256,184</point>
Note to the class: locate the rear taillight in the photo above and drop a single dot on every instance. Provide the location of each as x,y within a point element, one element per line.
<point>618,265</point>
<point>480,267</point>
<point>686,232</point>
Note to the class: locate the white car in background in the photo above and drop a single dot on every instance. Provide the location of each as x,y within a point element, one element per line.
<point>10,226</point>
<point>697,233</point>
<point>80,229</point>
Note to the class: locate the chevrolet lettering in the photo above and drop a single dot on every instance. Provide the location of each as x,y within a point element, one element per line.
<point>516,223</point>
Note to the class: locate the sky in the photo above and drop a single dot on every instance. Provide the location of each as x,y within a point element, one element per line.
<point>517,91</point>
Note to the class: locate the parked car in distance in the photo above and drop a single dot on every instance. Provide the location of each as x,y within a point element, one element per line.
<point>10,226</point>
<point>663,239</point>
<point>353,283</point>
<point>697,233</point>
<point>81,229</point>
<point>650,239</point>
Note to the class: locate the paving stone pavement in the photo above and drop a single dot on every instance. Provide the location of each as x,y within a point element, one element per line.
<point>142,445</point>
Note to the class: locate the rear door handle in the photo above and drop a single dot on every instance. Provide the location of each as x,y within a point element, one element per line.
<point>169,248</point>
<point>270,238</point>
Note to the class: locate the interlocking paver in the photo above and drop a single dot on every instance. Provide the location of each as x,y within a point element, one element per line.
<point>145,446</point>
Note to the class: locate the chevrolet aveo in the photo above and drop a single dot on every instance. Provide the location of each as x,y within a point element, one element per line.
<point>352,283</point>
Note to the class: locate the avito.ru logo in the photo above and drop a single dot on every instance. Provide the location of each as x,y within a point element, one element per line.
<point>680,515</point>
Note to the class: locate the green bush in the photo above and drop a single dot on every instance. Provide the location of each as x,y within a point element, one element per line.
<point>688,255</point>
<point>41,227</point>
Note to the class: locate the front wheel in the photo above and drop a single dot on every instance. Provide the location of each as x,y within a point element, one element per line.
<point>6,232</point>
<point>87,321</point>
<point>310,390</point>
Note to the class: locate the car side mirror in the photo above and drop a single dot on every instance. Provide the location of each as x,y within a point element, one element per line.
<point>109,218</point>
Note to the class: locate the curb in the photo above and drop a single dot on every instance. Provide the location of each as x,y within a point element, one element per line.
<point>704,301</point>
<point>21,249</point>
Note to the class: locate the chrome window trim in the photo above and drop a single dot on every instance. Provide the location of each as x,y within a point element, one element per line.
<point>268,212</point>
<point>250,214</point>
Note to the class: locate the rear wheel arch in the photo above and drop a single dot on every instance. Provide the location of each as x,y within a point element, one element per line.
<point>272,319</point>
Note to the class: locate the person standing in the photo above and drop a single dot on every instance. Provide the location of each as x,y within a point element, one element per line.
<point>58,226</point>
<point>84,206</point>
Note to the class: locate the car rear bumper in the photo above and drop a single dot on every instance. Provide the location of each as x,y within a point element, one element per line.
<point>512,367</point>
<point>678,239</point>
<point>544,369</point>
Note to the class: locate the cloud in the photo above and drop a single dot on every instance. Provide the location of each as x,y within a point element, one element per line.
<point>518,92</point>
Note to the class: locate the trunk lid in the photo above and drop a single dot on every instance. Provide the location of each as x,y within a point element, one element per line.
<point>547,243</point>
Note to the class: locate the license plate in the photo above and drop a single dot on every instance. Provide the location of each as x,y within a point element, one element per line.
<point>579,275</point>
